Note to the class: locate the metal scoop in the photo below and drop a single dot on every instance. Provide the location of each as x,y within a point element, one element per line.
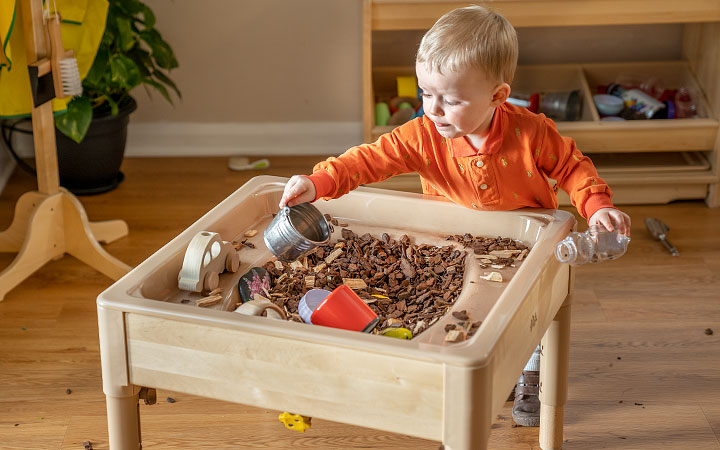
<point>659,230</point>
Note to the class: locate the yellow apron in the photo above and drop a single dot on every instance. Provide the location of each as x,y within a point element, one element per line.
<point>83,24</point>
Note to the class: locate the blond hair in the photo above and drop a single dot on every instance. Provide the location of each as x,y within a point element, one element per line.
<point>473,36</point>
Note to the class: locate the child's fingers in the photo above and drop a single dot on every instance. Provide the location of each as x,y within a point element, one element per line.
<point>624,223</point>
<point>292,189</point>
<point>607,222</point>
<point>621,222</point>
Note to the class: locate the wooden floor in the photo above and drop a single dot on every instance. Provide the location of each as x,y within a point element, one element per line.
<point>643,373</point>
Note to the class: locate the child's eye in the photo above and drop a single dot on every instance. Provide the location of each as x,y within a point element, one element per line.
<point>426,95</point>
<point>451,102</point>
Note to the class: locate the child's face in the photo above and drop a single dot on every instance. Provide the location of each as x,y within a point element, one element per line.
<point>459,103</point>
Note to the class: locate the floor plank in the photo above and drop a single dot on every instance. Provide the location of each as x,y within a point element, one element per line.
<point>648,309</point>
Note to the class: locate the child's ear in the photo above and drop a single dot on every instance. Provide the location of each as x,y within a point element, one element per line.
<point>500,94</point>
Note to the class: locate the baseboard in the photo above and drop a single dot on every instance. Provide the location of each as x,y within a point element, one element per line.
<point>255,139</point>
<point>7,166</point>
<point>166,139</point>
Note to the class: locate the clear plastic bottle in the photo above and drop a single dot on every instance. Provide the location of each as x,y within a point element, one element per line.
<point>685,107</point>
<point>592,246</point>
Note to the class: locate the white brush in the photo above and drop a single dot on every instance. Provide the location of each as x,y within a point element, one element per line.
<point>66,76</point>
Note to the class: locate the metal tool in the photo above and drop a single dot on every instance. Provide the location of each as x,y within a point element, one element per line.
<point>659,231</point>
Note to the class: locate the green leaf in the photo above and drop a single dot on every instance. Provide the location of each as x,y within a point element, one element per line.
<point>113,105</point>
<point>125,33</point>
<point>94,76</point>
<point>108,37</point>
<point>163,78</point>
<point>124,72</point>
<point>161,51</point>
<point>131,7</point>
<point>76,120</point>
<point>160,88</point>
<point>149,17</point>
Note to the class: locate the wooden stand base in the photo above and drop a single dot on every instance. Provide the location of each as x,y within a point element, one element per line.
<point>46,226</point>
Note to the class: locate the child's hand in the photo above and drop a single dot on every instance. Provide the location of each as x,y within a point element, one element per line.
<point>611,219</point>
<point>299,189</point>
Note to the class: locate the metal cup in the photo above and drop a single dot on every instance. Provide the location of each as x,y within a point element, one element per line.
<point>296,230</point>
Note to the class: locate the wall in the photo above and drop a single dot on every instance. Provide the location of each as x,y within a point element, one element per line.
<point>257,77</point>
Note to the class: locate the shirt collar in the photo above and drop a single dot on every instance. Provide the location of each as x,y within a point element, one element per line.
<point>461,147</point>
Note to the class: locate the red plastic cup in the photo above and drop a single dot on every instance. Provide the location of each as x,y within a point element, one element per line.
<point>344,309</point>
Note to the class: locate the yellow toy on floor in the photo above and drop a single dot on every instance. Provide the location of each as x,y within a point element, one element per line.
<point>295,421</point>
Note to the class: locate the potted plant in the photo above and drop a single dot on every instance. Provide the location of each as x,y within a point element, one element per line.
<point>91,134</point>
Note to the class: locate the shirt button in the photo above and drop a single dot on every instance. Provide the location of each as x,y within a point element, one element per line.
<point>474,205</point>
<point>483,186</point>
<point>479,163</point>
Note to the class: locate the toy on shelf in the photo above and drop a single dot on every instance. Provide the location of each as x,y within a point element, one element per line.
<point>382,114</point>
<point>406,86</point>
<point>206,257</point>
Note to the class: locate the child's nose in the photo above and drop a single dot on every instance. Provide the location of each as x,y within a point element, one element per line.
<point>434,107</point>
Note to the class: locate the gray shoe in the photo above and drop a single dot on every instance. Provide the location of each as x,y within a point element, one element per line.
<point>526,407</point>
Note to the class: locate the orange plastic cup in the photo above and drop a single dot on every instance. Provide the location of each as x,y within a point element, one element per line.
<point>344,309</point>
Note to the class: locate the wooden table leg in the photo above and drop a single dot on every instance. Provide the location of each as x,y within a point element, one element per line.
<point>553,378</point>
<point>124,422</point>
<point>468,408</point>
<point>120,394</point>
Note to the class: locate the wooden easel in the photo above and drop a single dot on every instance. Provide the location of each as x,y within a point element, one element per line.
<point>51,221</point>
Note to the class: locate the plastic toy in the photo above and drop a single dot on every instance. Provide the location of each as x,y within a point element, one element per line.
<point>399,333</point>
<point>406,86</point>
<point>295,421</point>
<point>382,114</point>
<point>206,257</point>
<point>255,281</point>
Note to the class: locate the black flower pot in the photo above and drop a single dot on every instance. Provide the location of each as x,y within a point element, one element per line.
<point>93,165</point>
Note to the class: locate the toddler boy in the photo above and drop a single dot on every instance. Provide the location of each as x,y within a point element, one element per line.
<point>472,147</point>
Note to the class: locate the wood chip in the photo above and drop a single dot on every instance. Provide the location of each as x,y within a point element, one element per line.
<point>455,335</point>
<point>335,253</point>
<point>392,322</point>
<point>216,291</point>
<point>278,265</point>
<point>250,233</point>
<point>492,276</point>
<point>486,256</point>
<point>418,326</point>
<point>460,315</point>
<point>310,281</point>
<point>355,283</point>
<point>522,255</point>
<point>505,253</point>
<point>319,267</point>
<point>497,266</point>
<point>209,300</point>
<point>295,265</point>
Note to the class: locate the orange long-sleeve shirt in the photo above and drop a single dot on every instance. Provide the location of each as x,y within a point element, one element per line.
<point>520,153</point>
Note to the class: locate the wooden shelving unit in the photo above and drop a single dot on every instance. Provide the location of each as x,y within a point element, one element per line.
<point>685,152</point>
